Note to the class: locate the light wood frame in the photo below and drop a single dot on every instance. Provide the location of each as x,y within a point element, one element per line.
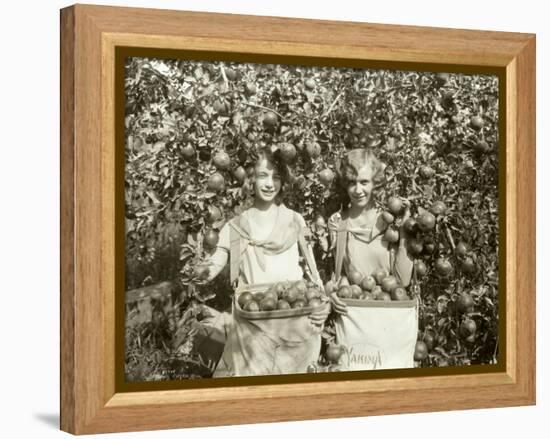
<point>89,35</point>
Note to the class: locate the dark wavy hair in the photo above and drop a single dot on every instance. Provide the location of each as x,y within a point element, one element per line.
<point>282,169</point>
<point>349,167</point>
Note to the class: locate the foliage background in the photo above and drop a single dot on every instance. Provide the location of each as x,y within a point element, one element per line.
<point>410,119</point>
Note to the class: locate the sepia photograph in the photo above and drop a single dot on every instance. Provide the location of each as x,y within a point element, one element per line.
<point>288,219</point>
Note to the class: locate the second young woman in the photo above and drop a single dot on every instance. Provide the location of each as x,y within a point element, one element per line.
<point>357,230</point>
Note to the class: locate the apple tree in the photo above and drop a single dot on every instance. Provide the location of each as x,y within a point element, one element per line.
<point>193,129</point>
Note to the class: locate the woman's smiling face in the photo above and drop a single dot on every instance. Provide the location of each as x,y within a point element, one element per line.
<point>267,181</point>
<point>360,190</point>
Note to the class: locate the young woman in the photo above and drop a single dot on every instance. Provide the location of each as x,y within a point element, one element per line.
<point>267,235</point>
<point>262,245</point>
<point>358,228</point>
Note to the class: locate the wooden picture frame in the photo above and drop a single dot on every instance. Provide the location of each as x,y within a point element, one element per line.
<point>90,402</point>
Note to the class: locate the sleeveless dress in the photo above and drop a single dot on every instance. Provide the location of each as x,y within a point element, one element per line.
<point>266,256</point>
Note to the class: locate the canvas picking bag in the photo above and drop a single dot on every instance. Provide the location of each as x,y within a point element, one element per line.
<point>375,334</point>
<point>269,343</point>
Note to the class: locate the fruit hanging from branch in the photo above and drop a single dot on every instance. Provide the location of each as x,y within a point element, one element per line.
<point>326,176</point>
<point>443,267</point>
<point>216,182</point>
<point>222,161</point>
<point>270,119</point>
<point>395,206</point>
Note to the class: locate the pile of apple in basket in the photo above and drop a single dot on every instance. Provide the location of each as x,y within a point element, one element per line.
<point>379,286</point>
<point>281,298</point>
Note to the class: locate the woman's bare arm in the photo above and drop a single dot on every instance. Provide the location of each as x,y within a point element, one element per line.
<point>216,262</point>
<point>403,265</point>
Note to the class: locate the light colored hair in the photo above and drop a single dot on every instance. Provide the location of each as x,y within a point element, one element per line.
<point>349,167</point>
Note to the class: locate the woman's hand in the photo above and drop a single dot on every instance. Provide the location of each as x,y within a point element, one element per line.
<point>337,304</point>
<point>318,318</point>
<point>201,274</point>
<point>406,216</point>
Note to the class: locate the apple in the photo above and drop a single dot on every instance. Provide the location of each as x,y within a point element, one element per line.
<point>343,281</point>
<point>379,275</point>
<point>465,303</point>
<point>420,351</point>
<point>366,295</point>
<point>481,147</point>
<point>429,245</point>
<point>244,298</point>
<point>288,152</point>
<point>376,292</point>
<point>214,214</point>
<point>211,238</point>
<point>426,221</point>
<point>271,294</point>
<point>313,150</point>
<point>467,328</point>
<point>252,305</point>
<point>420,268</point>
<point>300,286</point>
<point>216,182</point>
<point>395,206</point>
<point>410,226</point>
<point>468,265</point>
<point>309,83</point>
<point>291,295</point>
<point>388,217</point>
<point>270,119</point>
<point>230,74</point>
<point>368,283</point>
<point>240,174</point>
<point>429,340</point>
<point>311,293</point>
<point>477,122</point>
<point>268,304</point>
<point>356,291</point>
<point>188,152</point>
<point>399,294</point>
<point>355,277</point>
<point>329,288</point>
<point>333,352</point>
<point>283,304</point>
<point>326,176</point>
<point>461,249</point>
<point>438,208</point>
<point>415,246</point>
<point>345,292</point>
<point>443,267</point>
<point>389,284</point>
<point>221,160</point>
<point>258,297</point>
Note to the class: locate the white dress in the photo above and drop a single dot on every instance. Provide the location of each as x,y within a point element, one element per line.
<point>278,267</point>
